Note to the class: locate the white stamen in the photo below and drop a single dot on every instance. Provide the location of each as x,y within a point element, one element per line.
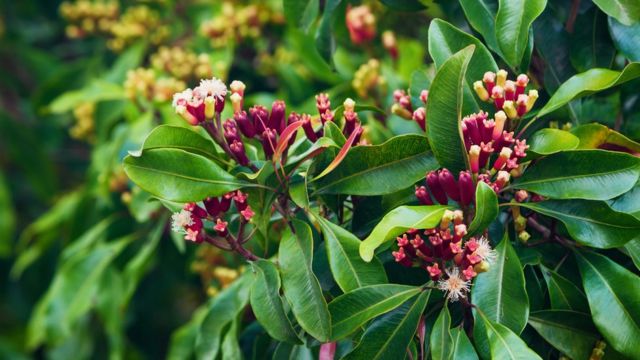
<point>211,87</point>
<point>180,220</point>
<point>485,251</point>
<point>455,286</point>
<point>182,98</point>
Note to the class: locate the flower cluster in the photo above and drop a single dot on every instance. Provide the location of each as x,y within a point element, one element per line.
<point>507,95</point>
<point>402,107</point>
<point>182,64</point>
<point>443,252</point>
<point>361,24</point>
<point>442,186</point>
<point>368,79</point>
<point>190,220</point>
<point>84,127</point>
<point>135,24</point>
<point>88,17</point>
<point>144,83</point>
<point>238,23</point>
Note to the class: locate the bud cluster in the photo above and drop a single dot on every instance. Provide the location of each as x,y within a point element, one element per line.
<point>368,79</point>
<point>494,153</point>
<point>402,107</point>
<point>190,220</point>
<point>182,64</point>
<point>236,23</point>
<point>135,24</point>
<point>89,17</point>
<point>507,95</point>
<point>361,24</point>
<point>144,83</point>
<point>442,186</point>
<point>443,252</point>
<point>84,127</point>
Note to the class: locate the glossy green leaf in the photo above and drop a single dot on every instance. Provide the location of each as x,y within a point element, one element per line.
<point>504,343</point>
<point>571,332</point>
<point>581,174</point>
<point>267,304</point>
<point>500,293</point>
<point>380,169</point>
<point>97,90</point>
<point>353,309</point>
<point>444,111</point>
<point>404,5</point>
<point>224,308</point>
<point>563,294</point>
<point>589,222</point>
<point>301,287</point>
<point>347,267</point>
<point>444,41</point>
<point>183,339</point>
<point>596,136</point>
<point>486,209</point>
<point>626,38</point>
<point>441,341</point>
<point>633,250</point>
<point>612,292</point>
<point>628,202</point>
<point>551,141</point>
<point>177,175</point>
<point>390,334</point>
<point>420,80</point>
<point>399,220</point>
<point>590,43</point>
<point>587,83</point>
<point>462,347</point>
<point>625,11</point>
<point>7,218</point>
<point>482,17</point>
<point>177,137</point>
<point>513,21</point>
<point>301,13</point>
<point>285,351</point>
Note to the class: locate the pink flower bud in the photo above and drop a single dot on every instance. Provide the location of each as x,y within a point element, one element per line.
<point>487,130</point>
<point>521,195</point>
<point>420,116</point>
<point>308,127</point>
<point>521,83</point>
<point>424,96</point>
<point>487,150</point>
<point>221,227</point>
<point>474,158</point>
<point>498,96</point>
<point>277,117</point>
<point>245,124</point>
<point>247,213</point>
<point>196,210</point>
<point>467,189</point>
<point>323,104</point>
<point>240,199</point>
<point>505,154</point>
<point>436,189</point>
<point>455,248</point>
<point>434,271</point>
<point>237,148</point>
<point>474,259</point>
<point>510,90</point>
<point>260,116</point>
<point>269,141</point>
<point>521,104</point>
<point>230,131</point>
<point>225,201</point>
<point>500,119</point>
<point>423,196</point>
<point>212,204</point>
<point>459,232</point>
<point>469,274</point>
<point>489,80</point>
<point>449,184</point>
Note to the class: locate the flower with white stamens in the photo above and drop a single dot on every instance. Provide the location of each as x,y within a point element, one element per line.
<point>180,220</point>
<point>454,285</point>
<point>485,251</point>
<point>212,87</point>
<point>182,98</point>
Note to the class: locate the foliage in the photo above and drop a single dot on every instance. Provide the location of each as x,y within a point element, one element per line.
<point>320,179</point>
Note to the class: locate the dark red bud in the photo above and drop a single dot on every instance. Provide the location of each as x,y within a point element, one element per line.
<point>269,141</point>
<point>467,189</point>
<point>308,128</point>
<point>436,188</point>
<point>260,116</point>
<point>277,117</point>
<point>212,204</point>
<point>237,148</point>
<point>423,196</point>
<point>449,184</point>
<point>245,124</point>
<point>225,202</point>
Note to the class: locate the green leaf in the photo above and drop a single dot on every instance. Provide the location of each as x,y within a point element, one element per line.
<point>625,11</point>
<point>444,41</point>
<point>224,308</point>
<point>628,202</point>
<point>504,344</point>
<point>351,310</point>
<point>513,21</point>
<point>177,175</point>
<point>98,90</point>
<point>587,83</point>
<point>441,341</point>
<point>177,137</point>
<point>389,335</point>
<point>285,351</point>
<point>551,141</point>
<point>404,5</point>
<point>7,218</point>
<point>482,17</point>
<point>626,38</point>
<point>347,267</point>
<point>380,169</point>
<point>324,40</point>
<point>581,174</point>
<point>399,220</point>
<point>301,287</point>
<point>612,292</point>
<point>267,304</point>
<point>596,136</point>
<point>589,222</point>
<point>128,60</point>
<point>444,111</point>
<point>590,43</point>
<point>301,13</point>
<point>230,345</point>
<point>500,293</point>
<point>486,208</point>
<point>563,294</point>
<point>462,347</point>
<point>183,340</point>
<point>571,332</point>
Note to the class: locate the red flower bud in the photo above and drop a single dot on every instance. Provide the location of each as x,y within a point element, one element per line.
<point>237,148</point>
<point>467,189</point>
<point>245,124</point>
<point>221,227</point>
<point>225,201</point>
<point>420,116</point>
<point>240,199</point>
<point>308,128</point>
<point>436,188</point>
<point>449,184</point>
<point>269,141</point>
<point>230,131</point>
<point>434,271</point>
<point>196,210</point>
<point>212,204</point>
<point>247,213</point>
<point>423,196</point>
<point>260,116</point>
<point>277,117</point>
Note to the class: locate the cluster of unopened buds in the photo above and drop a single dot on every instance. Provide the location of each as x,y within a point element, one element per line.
<point>84,127</point>
<point>402,107</point>
<point>181,63</point>
<point>238,22</point>
<point>190,221</point>
<point>361,24</point>
<point>203,106</point>
<point>368,80</point>
<point>451,261</point>
<point>144,83</point>
<point>507,95</point>
<point>135,24</point>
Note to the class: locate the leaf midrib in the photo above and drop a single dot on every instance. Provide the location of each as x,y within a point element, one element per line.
<point>564,178</point>
<point>581,218</point>
<point>344,253</point>
<point>191,178</point>
<point>386,343</point>
<point>384,302</point>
